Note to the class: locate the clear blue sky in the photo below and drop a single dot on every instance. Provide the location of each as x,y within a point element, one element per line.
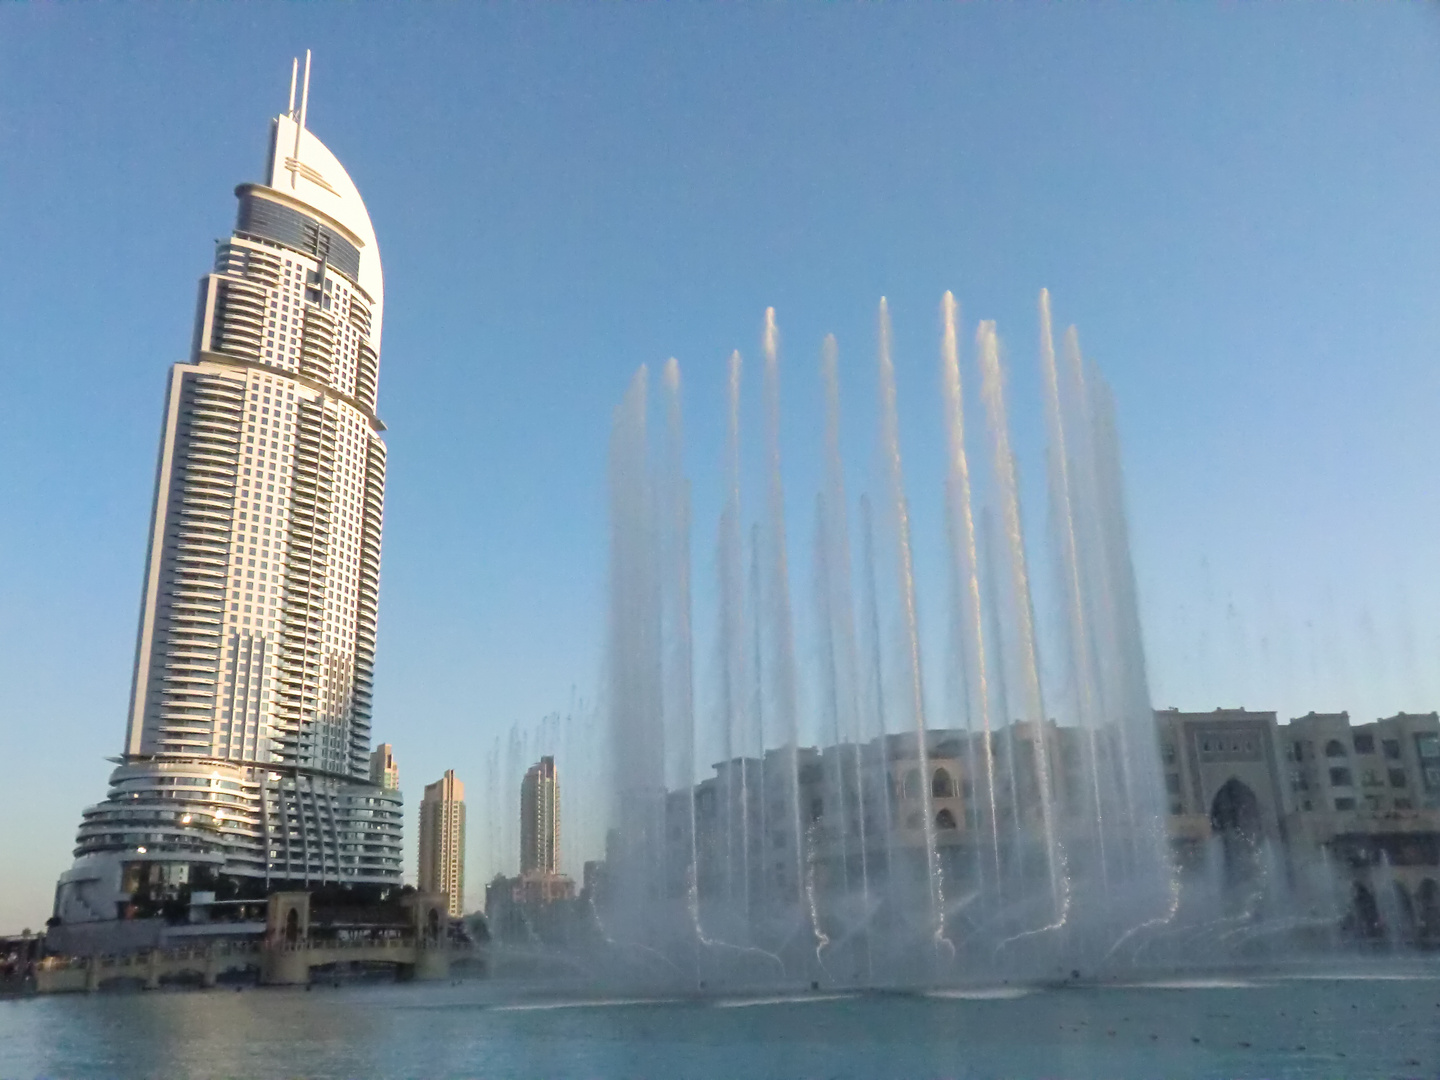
<point>1237,204</point>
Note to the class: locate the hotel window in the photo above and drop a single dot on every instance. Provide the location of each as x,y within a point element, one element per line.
<point>1364,744</point>
<point>1344,804</point>
<point>1340,778</point>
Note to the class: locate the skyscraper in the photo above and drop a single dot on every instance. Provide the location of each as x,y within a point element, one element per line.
<point>540,819</point>
<point>246,762</point>
<point>384,772</point>
<point>442,840</point>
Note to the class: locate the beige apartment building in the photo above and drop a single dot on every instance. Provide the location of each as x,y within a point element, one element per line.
<point>540,819</point>
<point>442,841</point>
<point>1342,808</point>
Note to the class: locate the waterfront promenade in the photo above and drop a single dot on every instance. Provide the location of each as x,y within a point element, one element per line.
<point>420,949</point>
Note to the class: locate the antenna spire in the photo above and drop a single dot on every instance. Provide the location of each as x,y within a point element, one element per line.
<point>300,126</point>
<point>294,73</point>
<point>305,95</point>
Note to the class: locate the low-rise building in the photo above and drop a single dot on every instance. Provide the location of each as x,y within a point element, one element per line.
<point>1354,809</point>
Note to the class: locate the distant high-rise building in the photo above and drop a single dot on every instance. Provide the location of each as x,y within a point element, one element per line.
<point>540,819</point>
<point>442,840</point>
<point>246,759</point>
<point>384,772</point>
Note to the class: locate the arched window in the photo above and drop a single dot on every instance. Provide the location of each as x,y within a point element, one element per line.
<point>942,787</point>
<point>1334,748</point>
<point>944,820</point>
<point>911,789</point>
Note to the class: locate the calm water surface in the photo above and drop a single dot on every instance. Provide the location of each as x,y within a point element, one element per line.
<point>1242,1027</point>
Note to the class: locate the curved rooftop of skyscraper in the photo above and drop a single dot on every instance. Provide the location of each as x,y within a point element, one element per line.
<point>302,168</point>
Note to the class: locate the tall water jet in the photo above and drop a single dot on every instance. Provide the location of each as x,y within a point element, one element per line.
<point>990,597</point>
<point>840,606</point>
<point>1100,575</point>
<point>829,682</point>
<point>1103,589</point>
<point>782,626</point>
<point>680,681</point>
<point>757,656</point>
<point>876,669</point>
<point>992,392</point>
<point>964,557</point>
<point>1139,747</point>
<point>914,671</point>
<point>733,723</point>
<point>634,662</point>
<point>1081,660</point>
<point>837,544</point>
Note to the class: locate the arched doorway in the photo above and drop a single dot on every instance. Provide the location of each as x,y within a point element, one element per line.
<point>1235,819</point>
<point>292,926</point>
<point>1235,809</point>
<point>942,787</point>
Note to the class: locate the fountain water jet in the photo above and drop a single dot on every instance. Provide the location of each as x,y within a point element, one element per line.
<point>890,452</point>
<point>732,648</point>
<point>680,691</point>
<point>964,555</point>
<point>1007,485</point>
<point>782,625</point>
<point>1082,671</point>
<point>634,661</point>
<point>840,615</point>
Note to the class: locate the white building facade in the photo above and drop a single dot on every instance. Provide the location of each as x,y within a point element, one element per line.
<point>247,752</point>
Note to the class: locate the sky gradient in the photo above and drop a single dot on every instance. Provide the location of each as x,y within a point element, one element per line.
<point>1236,204</point>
